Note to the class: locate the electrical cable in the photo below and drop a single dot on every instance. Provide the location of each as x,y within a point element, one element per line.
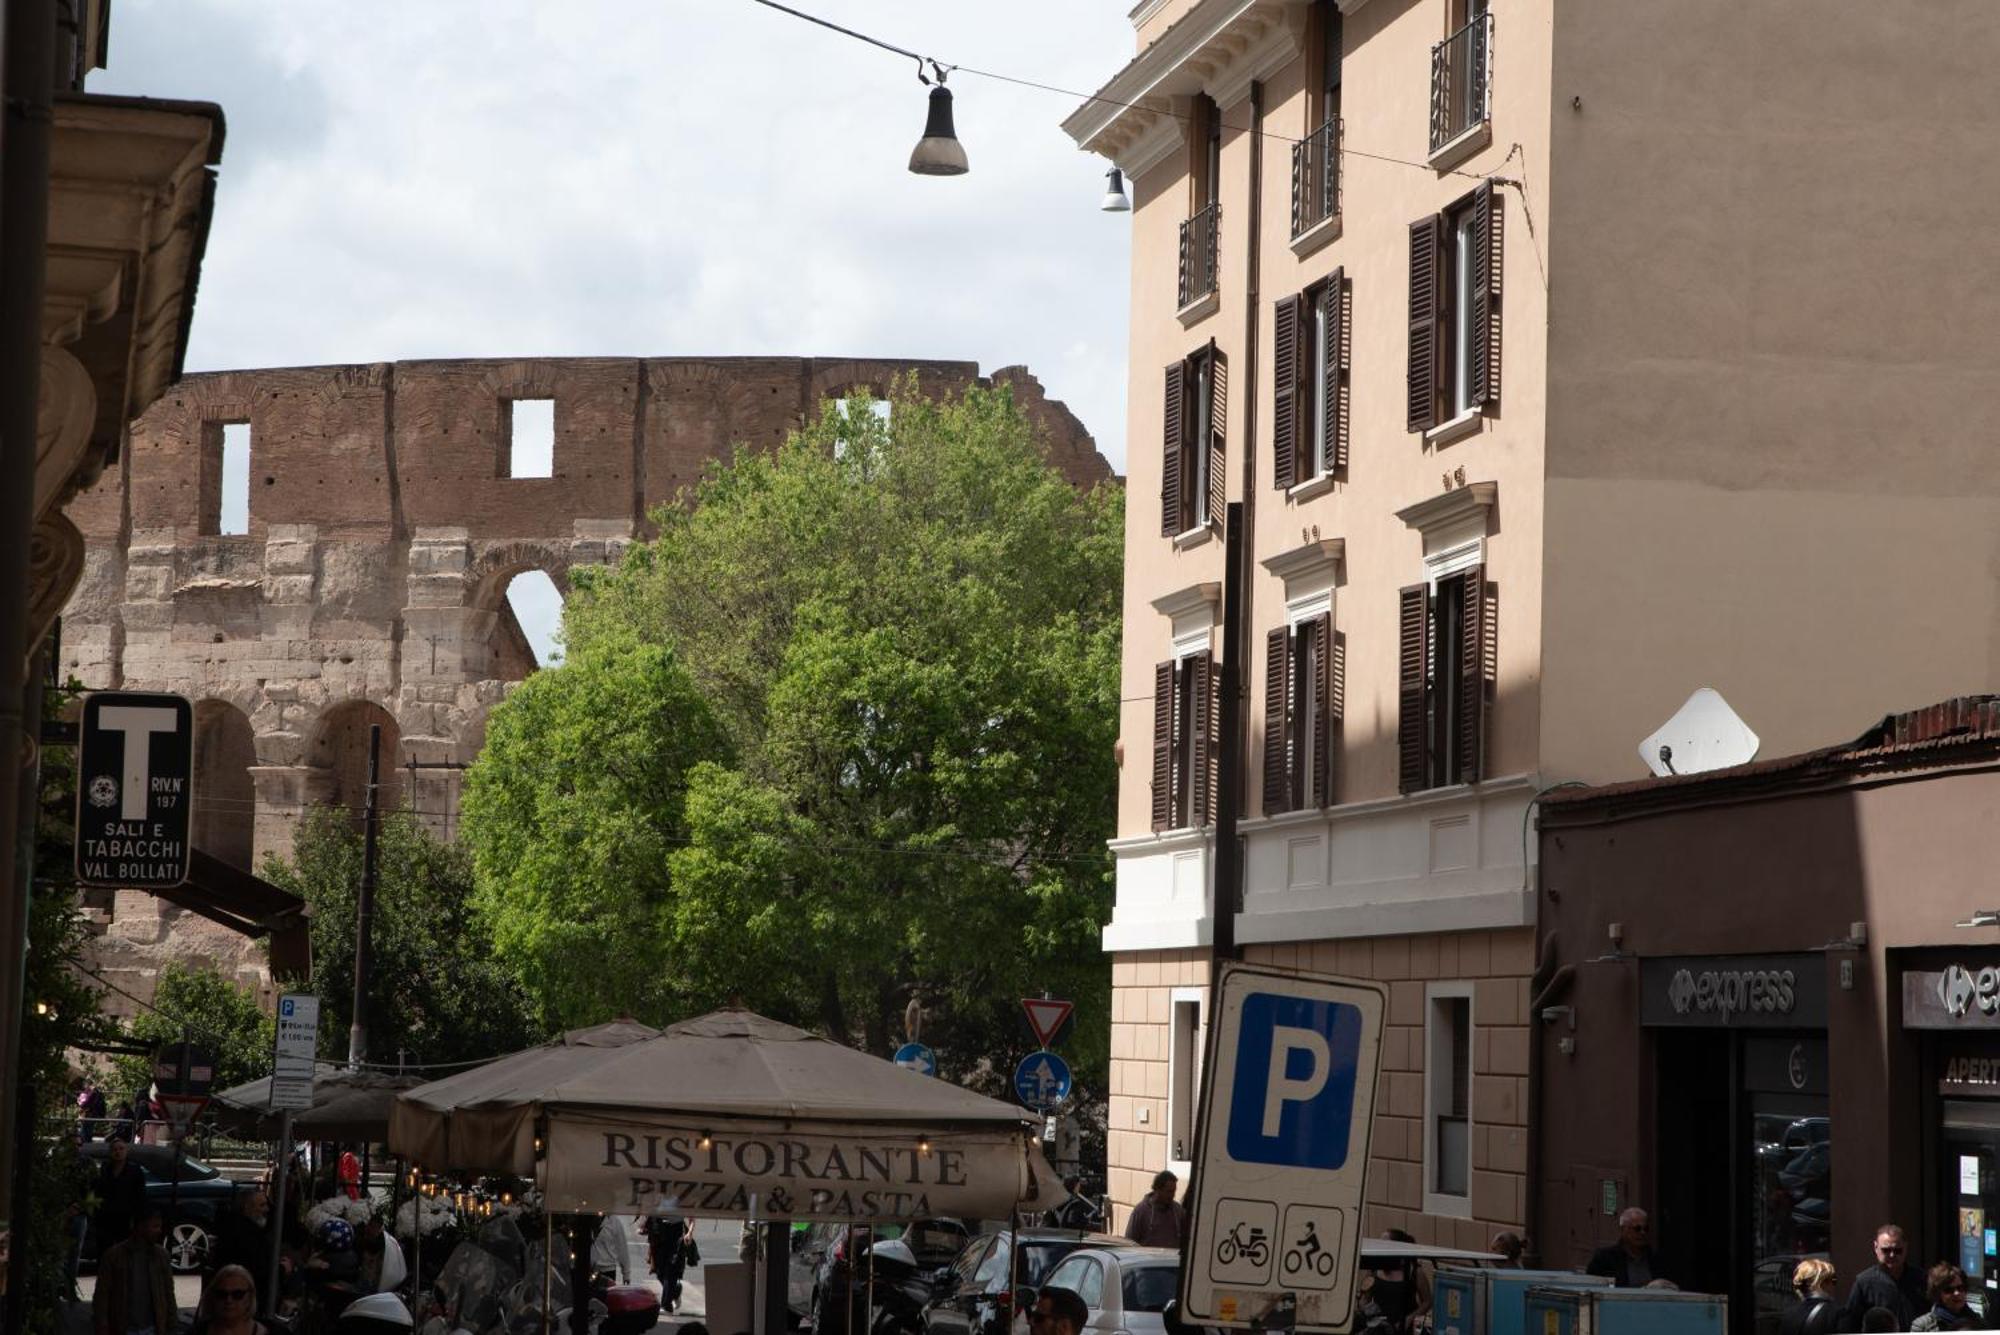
<point>946,67</point>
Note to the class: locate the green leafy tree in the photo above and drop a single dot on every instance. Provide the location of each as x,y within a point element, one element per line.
<point>61,1015</point>
<point>908,631</point>
<point>573,811</point>
<point>440,993</point>
<point>209,1010</point>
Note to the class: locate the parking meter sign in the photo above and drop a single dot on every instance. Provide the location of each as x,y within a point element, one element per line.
<point>1282,1150</point>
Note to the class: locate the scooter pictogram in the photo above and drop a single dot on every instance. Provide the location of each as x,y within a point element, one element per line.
<point>1255,1249</point>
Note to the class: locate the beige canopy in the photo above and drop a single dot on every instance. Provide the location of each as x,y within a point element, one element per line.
<point>728,1115</point>
<point>347,1105</point>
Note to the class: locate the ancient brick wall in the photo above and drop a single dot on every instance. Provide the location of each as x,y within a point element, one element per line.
<point>383,530</point>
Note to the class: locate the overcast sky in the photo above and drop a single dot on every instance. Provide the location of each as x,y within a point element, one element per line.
<point>644,178</point>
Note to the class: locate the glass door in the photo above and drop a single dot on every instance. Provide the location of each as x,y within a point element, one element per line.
<point>1969,1158</point>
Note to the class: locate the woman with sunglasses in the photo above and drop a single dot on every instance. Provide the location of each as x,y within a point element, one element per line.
<point>1949,1310</point>
<point>230,1305</point>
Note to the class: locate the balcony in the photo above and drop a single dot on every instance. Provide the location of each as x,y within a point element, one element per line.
<point>1316,187</point>
<point>1462,93</point>
<point>1198,295</point>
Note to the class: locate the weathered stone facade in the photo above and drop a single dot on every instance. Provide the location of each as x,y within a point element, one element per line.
<point>370,587</point>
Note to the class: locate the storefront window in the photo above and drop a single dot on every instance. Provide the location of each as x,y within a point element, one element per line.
<point>1970,1160</point>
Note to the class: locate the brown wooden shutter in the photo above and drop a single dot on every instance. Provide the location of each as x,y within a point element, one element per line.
<point>1218,420</point>
<point>1413,771</point>
<point>1426,321</point>
<point>1201,739</point>
<point>1335,371</point>
<point>1163,746</point>
<point>1175,419</point>
<point>1285,357</point>
<point>1322,775</point>
<point>1277,698</point>
<point>1470,743</point>
<point>1487,237</point>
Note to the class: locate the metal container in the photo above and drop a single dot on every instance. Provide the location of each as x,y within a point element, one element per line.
<point>1481,1300</point>
<point>1571,1311</point>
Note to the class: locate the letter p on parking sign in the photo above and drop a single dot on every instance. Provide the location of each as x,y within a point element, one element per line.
<point>1282,1149</point>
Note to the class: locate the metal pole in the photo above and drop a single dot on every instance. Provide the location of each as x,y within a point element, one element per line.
<point>364,908</point>
<point>26,114</point>
<point>548,1265</point>
<point>276,1214</point>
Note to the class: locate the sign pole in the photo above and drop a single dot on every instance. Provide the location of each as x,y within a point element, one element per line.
<point>275,1216</point>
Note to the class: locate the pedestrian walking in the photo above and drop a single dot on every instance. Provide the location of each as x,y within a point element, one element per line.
<point>135,1284</point>
<point>1630,1262</point>
<point>1817,1311</point>
<point>121,1192</point>
<point>1891,1283</point>
<point>1949,1311</point>
<point>1509,1246</point>
<point>1159,1220</point>
<point>667,1247</point>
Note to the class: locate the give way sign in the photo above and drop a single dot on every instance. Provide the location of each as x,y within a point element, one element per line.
<point>1281,1155</point>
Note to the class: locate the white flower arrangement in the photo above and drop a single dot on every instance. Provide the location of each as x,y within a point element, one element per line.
<point>436,1214</point>
<point>354,1212</point>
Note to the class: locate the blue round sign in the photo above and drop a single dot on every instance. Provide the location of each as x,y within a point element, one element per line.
<point>917,1057</point>
<point>1042,1081</point>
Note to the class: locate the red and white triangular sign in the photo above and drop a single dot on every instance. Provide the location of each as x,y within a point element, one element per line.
<point>1045,1017</point>
<point>181,1110</point>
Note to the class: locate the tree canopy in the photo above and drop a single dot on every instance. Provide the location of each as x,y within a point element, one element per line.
<point>883,663</point>
<point>442,994</point>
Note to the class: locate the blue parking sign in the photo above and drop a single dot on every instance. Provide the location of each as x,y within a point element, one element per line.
<point>1292,1102</point>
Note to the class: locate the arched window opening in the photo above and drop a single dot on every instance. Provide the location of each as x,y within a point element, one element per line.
<point>340,753</point>
<point>225,796</point>
<point>529,632</point>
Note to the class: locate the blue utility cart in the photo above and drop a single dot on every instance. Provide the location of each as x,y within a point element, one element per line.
<point>1571,1311</point>
<point>1487,1301</point>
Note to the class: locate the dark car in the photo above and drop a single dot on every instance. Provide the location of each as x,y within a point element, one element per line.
<point>191,1209</point>
<point>976,1295</point>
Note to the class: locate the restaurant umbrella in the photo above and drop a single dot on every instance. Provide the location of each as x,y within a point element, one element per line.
<point>347,1105</point>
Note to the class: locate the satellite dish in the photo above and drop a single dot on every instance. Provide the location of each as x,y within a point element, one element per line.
<point>1703,734</point>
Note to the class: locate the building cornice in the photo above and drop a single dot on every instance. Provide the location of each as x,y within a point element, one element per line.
<point>1454,506</point>
<point>1218,47</point>
<point>1320,557</point>
<point>1194,598</point>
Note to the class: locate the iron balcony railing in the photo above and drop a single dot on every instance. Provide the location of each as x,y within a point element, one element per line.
<point>1316,177</point>
<point>1198,250</point>
<point>1461,81</point>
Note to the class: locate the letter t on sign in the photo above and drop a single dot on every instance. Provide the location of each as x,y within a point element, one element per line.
<point>138,723</point>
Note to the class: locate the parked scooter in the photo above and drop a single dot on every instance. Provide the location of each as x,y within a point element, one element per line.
<point>901,1289</point>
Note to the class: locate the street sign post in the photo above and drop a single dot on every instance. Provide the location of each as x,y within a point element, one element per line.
<point>134,789</point>
<point>917,1057</point>
<point>296,1047</point>
<point>1049,1018</point>
<point>1042,1081</point>
<point>1281,1152</point>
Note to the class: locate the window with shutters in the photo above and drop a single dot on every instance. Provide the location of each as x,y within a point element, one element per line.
<point>1300,712</point>
<point>1448,1099</point>
<point>1193,466</point>
<point>1309,366</point>
<point>1187,746</point>
<point>1444,679</point>
<point>1455,285</point>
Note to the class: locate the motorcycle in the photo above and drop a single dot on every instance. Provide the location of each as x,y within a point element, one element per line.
<point>901,1290</point>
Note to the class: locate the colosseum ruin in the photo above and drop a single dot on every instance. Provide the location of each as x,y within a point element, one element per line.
<point>387,514</point>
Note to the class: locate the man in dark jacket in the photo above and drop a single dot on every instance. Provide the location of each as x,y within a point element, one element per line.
<point>1892,1282</point>
<point>121,1194</point>
<point>135,1285</point>
<point>1630,1262</point>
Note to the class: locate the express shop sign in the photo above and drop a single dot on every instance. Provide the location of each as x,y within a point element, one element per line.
<point>1734,991</point>
<point>1958,996</point>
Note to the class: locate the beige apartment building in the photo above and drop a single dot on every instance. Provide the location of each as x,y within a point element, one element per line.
<point>1565,357</point>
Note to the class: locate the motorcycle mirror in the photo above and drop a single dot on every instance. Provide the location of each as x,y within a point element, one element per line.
<point>1170,1317</point>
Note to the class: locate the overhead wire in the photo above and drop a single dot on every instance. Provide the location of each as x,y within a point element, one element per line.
<point>1187,116</point>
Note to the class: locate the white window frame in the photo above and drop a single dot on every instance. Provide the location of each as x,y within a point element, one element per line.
<point>1435,1201</point>
<point>1183,1116</point>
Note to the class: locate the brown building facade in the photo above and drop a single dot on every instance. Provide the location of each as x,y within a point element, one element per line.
<point>1768,1011</point>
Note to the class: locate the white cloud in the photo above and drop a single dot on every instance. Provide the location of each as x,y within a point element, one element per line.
<point>684,177</point>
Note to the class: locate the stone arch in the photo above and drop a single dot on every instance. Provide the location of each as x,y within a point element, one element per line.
<point>338,757</point>
<point>225,793</point>
<point>511,649</point>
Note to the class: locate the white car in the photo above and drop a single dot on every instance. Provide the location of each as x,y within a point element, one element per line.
<point>1126,1290</point>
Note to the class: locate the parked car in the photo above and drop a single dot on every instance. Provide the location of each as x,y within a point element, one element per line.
<point>976,1295</point>
<point>1126,1290</point>
<point>191,1209</point>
